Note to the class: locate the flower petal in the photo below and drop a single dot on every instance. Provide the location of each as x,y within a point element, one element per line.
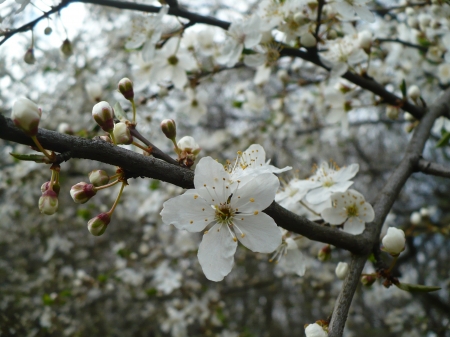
<point>261,234</point>
<point>188,212</point>
<point>334,215</point>
<point>354,226</point>
<point>346,173</point>
<point>211,175</point>
<point>216,253</point>
<point>294,262</point>
<point>256,193</point>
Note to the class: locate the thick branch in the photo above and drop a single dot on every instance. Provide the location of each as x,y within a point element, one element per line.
<point>384,201</point>
<point>137,165</point>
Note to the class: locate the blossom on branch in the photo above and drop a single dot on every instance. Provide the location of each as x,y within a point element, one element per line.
<point>229,211</point>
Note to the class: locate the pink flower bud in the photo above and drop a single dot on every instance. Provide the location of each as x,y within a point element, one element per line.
<point>98,178</point>
<point>104,115</point>
<point>122,134</point>
<point>126,88</point>
<point>368,280</point>
<point>97,226</point>
<point>29,56</point>
<point>48,202</point>
<point>169,128</point>
<point>26,115</point>
<point>45,186</point>
<point>82,192</point>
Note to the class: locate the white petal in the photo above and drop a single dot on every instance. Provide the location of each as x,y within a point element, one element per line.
<point>346,173</point>
<point>212,174</point>
<point>365,14</point>
<point>294,262</point>
<point>354,226</point>
<point>256,194</point>
<point>366,212</point>
<point>148,51</point>
<point>254,156</point>
<point>216,252</point>
<point>261,234</point>
<point>340,187</point>
<point>188,212</point>
<point>334,215</point>
<point>318,195</point>
<point>254,60</point>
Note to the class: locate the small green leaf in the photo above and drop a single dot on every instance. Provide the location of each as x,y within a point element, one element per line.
<point>154,184</point>
<point>444,139</point>
<point>416,288</point>
<point>237,104</point>
<point>151,292</point>
<point>403,89</point>
<point>38,158</point>
<point>118,111</point>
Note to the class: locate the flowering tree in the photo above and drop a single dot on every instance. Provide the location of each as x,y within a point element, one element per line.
<point>234,103</point>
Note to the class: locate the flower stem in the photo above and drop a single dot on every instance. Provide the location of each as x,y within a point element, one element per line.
<point>112,137</point>
<point>309,209</point>
<point>50,156</point>
<point>394,261</point>
<point>146,149</point>
<point>106,186</point>
<point>117,199</point>
<point>133,105</point>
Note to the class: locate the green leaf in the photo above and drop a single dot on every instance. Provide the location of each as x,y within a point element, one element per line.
<point>154,184</point>
<point>416,288</point>
<point>444,139</point>
<point>403,89</point>
<point>118,111</point>
<point>38,158</point>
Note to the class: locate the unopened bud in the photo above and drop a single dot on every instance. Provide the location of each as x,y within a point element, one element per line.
<point>126,88</point>
<point>97,226</point>
<point>169,128</point>
<point>82,192</point>
<point>122,134</point>
<point>98,178</point>
<point>392,112</point>
<point>48,202</point>
<point>26,115</point>
<point>394,241</point>
<point>408,117</point>
<point>342,270</point>
<point>414,92</point>
<point>56,187</point>
<point>315,330</point>
<point>48,30</point>
<point>64,128</point>
<point>104,115</point>
<point>368,280</point>
<point>188,144</point>
<point>66,48</point>
<point>365,40</point>
<point>29,56</point>
<point>94,91</point>
<point>308,40</point>
<point>324,253</point>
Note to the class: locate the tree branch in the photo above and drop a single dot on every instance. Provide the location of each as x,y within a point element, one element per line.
<point>384,201</point>
<point>434,169</point>
<point>137,165</point>
<point>405,43</point>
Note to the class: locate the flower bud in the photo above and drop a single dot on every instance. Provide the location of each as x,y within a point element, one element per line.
<point>106,139</point>
<point>98,178</point>
<point>414,92</point>
<point>332,35</point>
<point>188,144</point>
<point>56,187</point>
<point>301,19</point>
<point>365,40</point>
<point>126,88</point>
<point>29,56</point>
<point>94,91</point>
<point>392,112</point>
<point>283,75</point>
<point>368,280</point>
<point>169,128</point>
<point>122,134</point>
<point>342,270</point>
<point>97,226</point>
<point>104,115</point>
<point>48,202</point>
<point>324,253</point>
<point>394,241</point>
<point>308,40</point>
<point>48,30</point>
<point>315,330</point>
<point>26,115</point>
<point>408,117</point>
<point>66,48</point>
<point>64,128</point>
<point>82,192</point>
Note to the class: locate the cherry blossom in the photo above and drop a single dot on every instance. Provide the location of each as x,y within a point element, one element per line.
<point>352,9</point>
<point>351,209</point>
<point>329,180</point>
<point>229,212</point>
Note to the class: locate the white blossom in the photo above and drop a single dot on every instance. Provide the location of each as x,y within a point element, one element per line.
<point>350,209</point>
<point>234,210</point>
<point>394,241</point>
<point>341,270</point>
<point>315,330</point>
<point>354,9</point>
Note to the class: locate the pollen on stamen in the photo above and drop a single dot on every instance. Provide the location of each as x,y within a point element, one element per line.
<point>206,219</point>
<point>205,232</point>
<point>234,239</point>
<point>242,235</point>
<point>203,209</point>
<point>252,200</point>
<point>255,212</point>
<point>195,196</point>
<point>191,222</point>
